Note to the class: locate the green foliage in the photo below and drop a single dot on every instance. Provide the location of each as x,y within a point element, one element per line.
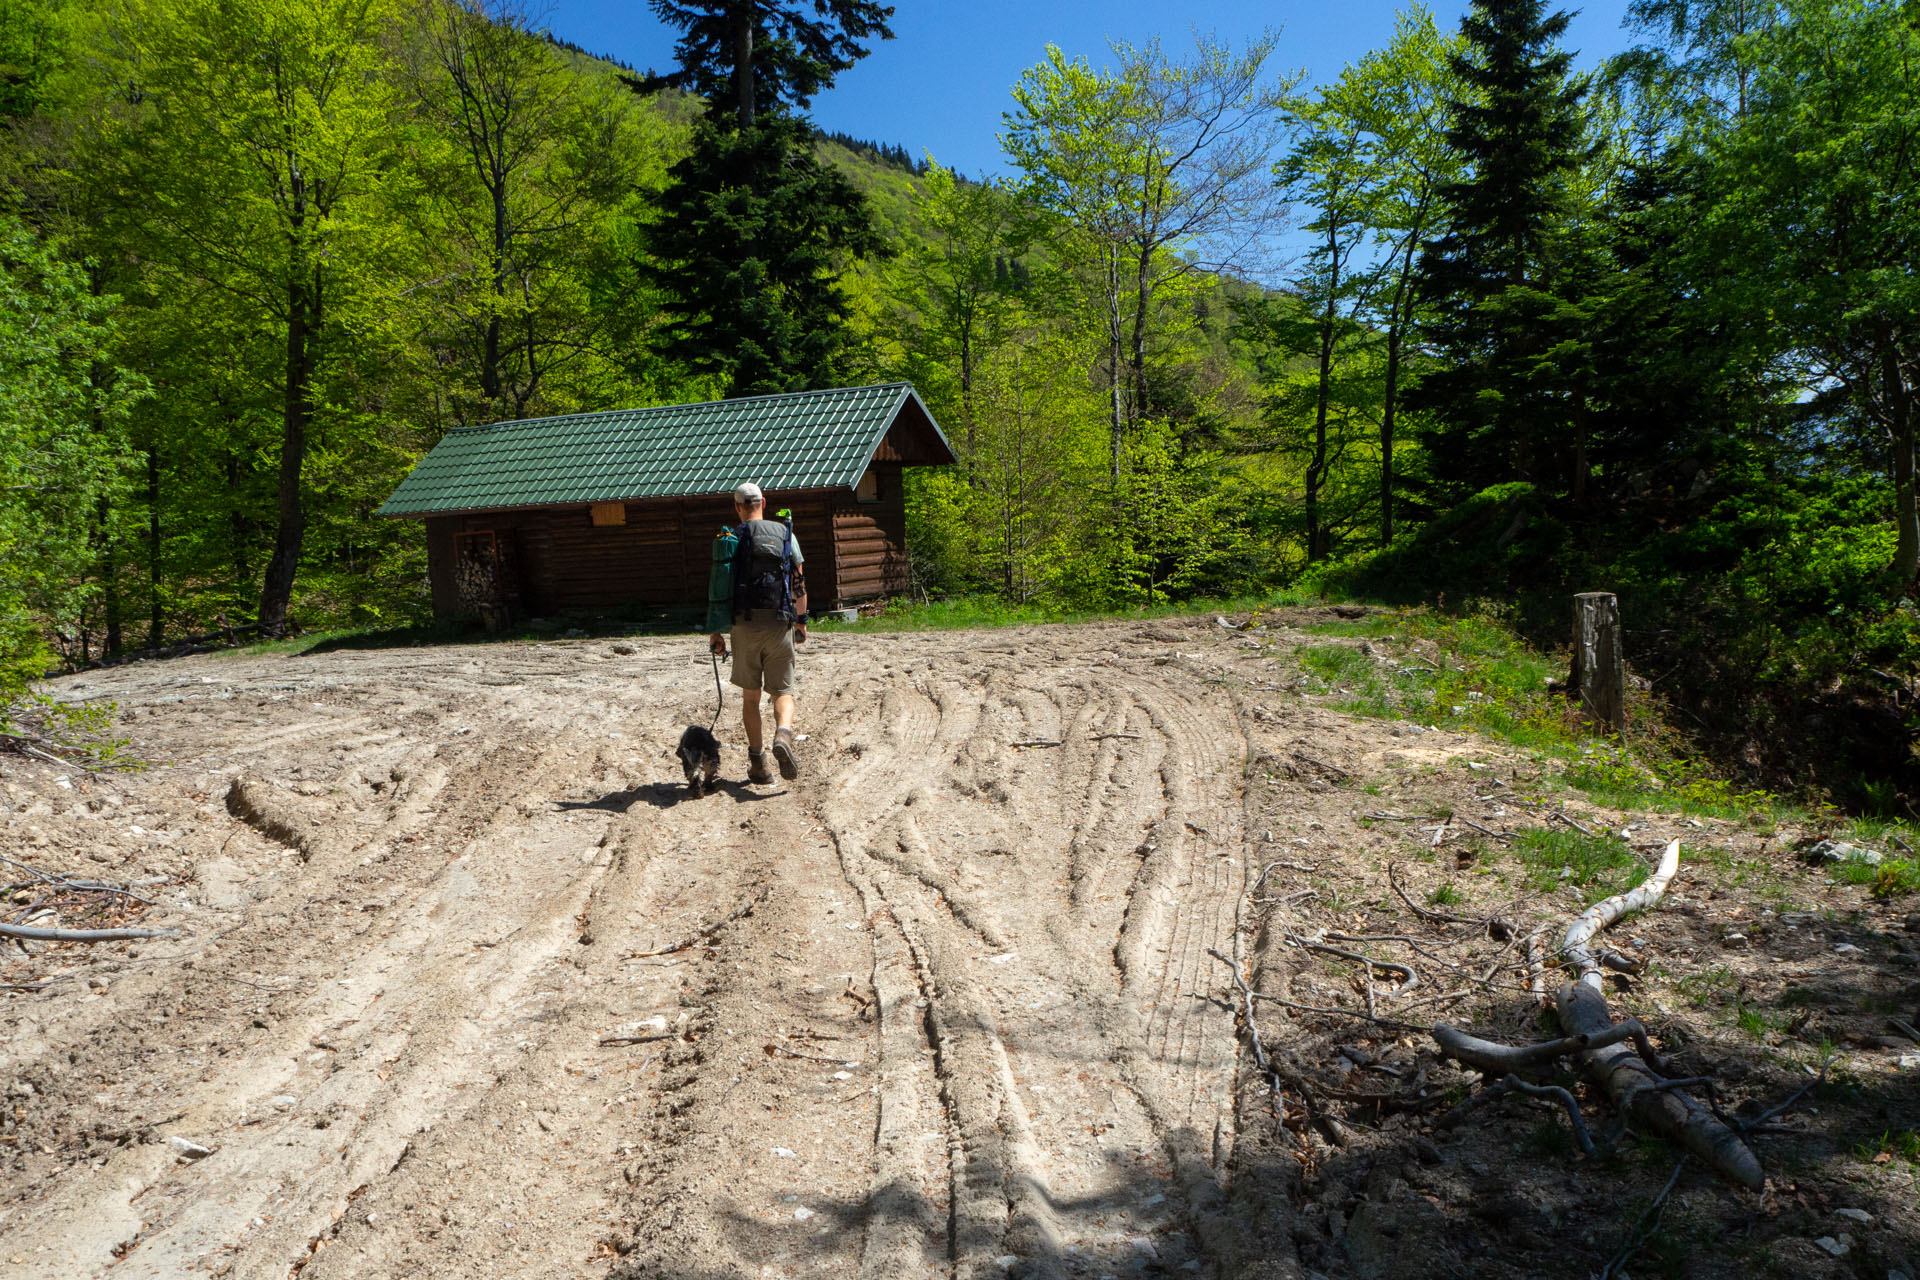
<point>63,447</point>
<point>1445,896</point>
<point>1502,277</point>
<point>745,248</point>
<point>1596,865</point>
<point>1468,673</point>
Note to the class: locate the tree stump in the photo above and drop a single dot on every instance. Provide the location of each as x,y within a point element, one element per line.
<point>1599,673</point>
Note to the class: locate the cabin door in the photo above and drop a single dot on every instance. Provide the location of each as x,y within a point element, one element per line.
<point>486,576</point>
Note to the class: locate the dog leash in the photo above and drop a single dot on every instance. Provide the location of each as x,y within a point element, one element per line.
<point>719,693</point>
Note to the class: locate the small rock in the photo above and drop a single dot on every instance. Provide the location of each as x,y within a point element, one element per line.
<point>802,1213</point>
<point>285,1102</point>
<point>1838,1248</point>
<point>187,1149</point>
<point>1830,851</point>
<point>624,649</point>
<point>1845,949</point>
<point>1735,940</point>
<point>1798,917</point>
<point>1910,1062</point>
<point>20,1089</point>
<point>1860,1216</point>
<point>784,1153</point>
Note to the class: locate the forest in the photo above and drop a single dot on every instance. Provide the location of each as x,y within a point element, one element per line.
<point>1463,326</point>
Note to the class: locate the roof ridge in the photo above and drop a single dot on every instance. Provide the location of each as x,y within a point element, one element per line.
<point>686,404</point>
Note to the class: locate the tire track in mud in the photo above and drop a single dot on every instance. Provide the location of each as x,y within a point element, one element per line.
<point>960,1035</point>
<point>1048,1017</point>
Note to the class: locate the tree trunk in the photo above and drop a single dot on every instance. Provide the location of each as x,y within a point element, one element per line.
<point>109,579</point>
<point>490,357</point>
<point>303,319</point>
<point>156,617</point>
<point>1599,663</point>
<point>1116,360</point>
<point>1316,469</point>
<point>1906,504</point>
<point>743,63</point>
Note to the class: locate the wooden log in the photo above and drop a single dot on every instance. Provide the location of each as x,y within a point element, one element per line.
<point>1599,673</point>
<point>1633,1086</point>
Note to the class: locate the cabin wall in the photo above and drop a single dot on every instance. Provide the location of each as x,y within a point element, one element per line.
<point>562,562</point>
<point>870,540</point>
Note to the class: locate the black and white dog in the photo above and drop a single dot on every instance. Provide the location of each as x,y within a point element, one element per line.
<point>699,754</point>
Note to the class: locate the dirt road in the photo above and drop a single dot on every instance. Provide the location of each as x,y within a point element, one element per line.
<point>464,986</point>
<point>967,1025</point>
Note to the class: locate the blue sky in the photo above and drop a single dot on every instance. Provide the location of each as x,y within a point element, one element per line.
<point>940,85</point>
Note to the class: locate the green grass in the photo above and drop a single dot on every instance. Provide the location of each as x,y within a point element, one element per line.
<point>1897,1144</point>
<point>1612,777</point>
<point>1445,896</point>
<point>1887,879</point>
<point>1597,866</point>
<point>1755,1022</point>
<point>980,612</point>
<point>1469,674</point>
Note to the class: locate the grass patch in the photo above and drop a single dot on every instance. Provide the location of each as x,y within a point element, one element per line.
<point>1613,778</point>
<point>1886,879</point>
<point>1467,673</point>
<point>1597,866</point>
<point>978,612</point>
<point>1894,1144</point>
<point>1446,896</point>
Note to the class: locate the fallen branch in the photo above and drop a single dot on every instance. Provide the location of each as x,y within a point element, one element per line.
<point>1555,813</point>
<point>1437,917</point>
<point>1345,1013</point>
<point>1101,737</point>
<point>1409,979</point>
<point>1036,742</point>
<point>1253,1029</point>
<point>32,934</point>
<point>1582,1005</point>
<point>1497,835</point>
<point>1644,1229</point>
<point>1503,1059</point>
<point>1507,1086</point>
<point>744,909</point>
<point>646,1039</point>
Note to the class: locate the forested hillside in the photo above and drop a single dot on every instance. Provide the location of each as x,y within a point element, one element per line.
<point>1460,325</point>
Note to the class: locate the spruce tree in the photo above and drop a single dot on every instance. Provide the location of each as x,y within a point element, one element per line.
<point>745,251</point>
<point>1504,398</point>
<point>753,228</point>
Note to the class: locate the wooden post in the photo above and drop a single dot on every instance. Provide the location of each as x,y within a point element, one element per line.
<point>1599,663</point>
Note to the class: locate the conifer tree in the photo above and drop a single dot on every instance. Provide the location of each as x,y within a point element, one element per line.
<point>1505,395</point>
<point>753,228</point>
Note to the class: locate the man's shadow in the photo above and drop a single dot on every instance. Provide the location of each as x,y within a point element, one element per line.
<point>666,795</point>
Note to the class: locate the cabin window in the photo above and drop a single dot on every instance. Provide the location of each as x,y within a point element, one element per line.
<point>609,513</point>
<point>868,490</point>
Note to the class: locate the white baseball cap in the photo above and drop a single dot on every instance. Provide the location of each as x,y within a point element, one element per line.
<point>746,493</point>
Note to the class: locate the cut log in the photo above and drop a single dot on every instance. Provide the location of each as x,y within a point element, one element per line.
<point>1634,1087</point>
<point>1599,673</point>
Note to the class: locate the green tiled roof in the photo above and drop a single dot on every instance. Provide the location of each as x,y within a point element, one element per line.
<point>802,440</point>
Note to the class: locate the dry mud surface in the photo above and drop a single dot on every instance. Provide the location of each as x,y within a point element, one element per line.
<point>464,986</point>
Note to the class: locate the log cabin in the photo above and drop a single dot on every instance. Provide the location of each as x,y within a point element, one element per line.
<point>619,509</point>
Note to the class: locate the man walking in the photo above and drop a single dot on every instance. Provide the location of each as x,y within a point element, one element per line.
<point>769,619</point>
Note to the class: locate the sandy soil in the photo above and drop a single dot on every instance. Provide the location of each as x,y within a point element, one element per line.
<point>464,986</point>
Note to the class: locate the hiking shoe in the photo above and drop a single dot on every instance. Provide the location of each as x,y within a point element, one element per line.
<point>757,770</point>
<point>783,754</point>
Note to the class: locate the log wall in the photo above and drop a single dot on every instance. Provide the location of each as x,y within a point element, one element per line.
<point>854,550</point>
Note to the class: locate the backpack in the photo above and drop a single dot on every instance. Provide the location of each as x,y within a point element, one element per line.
<point>763,570</point>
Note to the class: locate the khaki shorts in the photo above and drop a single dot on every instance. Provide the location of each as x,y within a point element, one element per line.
<point>763,657</point>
